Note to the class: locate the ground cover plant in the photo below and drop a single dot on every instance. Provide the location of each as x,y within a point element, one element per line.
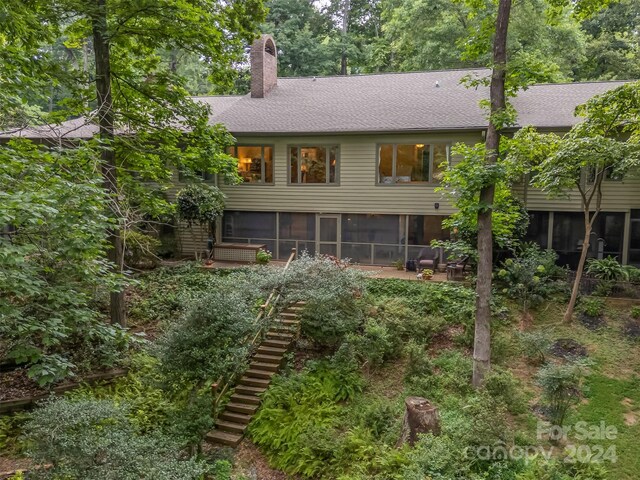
<point>339,415</point>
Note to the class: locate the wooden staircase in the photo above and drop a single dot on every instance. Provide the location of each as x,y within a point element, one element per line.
<point>265,362</point>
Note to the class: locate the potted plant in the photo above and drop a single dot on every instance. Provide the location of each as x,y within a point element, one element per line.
<point>263,256</point>
<point>399,264</point>
<point>427,274</point>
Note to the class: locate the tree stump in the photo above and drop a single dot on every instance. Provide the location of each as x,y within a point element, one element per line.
<point>420,416</point>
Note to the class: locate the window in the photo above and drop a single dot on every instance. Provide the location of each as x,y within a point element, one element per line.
<point>317,164</point>
<point>412,163</point>
<point>538,229</point>
<point>255,162</point>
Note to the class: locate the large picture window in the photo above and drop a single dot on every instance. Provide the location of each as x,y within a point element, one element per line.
<point>314,164</point>
<point>255,162</point>
<point>412,163</point>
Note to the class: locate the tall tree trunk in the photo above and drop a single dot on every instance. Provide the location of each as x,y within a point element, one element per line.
<point>345,30</point>
<point>482,337</point>
<point>568,315</point>
<point>105,121</point>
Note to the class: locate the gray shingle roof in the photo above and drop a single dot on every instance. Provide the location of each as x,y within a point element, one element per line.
<point>381,103</point>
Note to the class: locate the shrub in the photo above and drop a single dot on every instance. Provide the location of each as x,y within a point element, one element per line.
<point>448,373</point>
<point>608,269</point>
<point>95,439</point>
<point>530,276</point>
<point>593,307</point>
<point>504,389</point>
<point>535,346</point>
<point>295,423</point>
<point>375,344</point>
<point>561,388</point>
<point>331,294</point>
<point>633,273</point>
<point>140,249</point>
<point>635,312</point>
<point>212,338</point>
<point>263,256</point>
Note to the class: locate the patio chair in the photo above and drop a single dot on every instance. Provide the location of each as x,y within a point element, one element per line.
<point>427,258</point>
<point>455,269</point>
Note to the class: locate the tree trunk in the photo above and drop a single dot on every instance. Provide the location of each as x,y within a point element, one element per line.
<point>420,416</point>
<point>105,121</point>
<point>586,243</point>
<point>345,31</point>
<point>482,337</point>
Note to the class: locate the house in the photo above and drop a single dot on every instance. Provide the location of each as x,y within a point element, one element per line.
<point>348,166</point>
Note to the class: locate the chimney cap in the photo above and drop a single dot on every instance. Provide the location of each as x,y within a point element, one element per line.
<point>264,66</point>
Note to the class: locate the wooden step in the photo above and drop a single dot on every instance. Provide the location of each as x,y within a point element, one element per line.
<point>231,426</point>
<point>275,351</point>
<point>280,335</point>
<point>270,367</point>
<point>259,357</point>
<point>248,399</point>
<point>254,382</point>
<point>288,315</point>
<point>271,342</point>
<point>235,417</point>
<point>225,438</point>
<point>242,408</point>
<point>290,323</point>
<point>258,373</point>
<point>249,390</point>
<point>283,328</point>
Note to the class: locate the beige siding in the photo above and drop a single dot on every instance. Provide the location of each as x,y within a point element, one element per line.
<point>356,192</point>
<point>617,196</point>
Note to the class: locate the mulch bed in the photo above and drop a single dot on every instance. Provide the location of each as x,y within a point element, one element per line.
<point>16,384</point>
<point>568,348</point>
<point>592,323</point>
<point>632,329</point>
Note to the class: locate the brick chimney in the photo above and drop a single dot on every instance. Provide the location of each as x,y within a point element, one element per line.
<point>264,66</point>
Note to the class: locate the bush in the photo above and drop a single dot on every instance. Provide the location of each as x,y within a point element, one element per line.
<point>561,388</point>
<point>375,344</point>
<point>531,276</point>
<point>607,269</point>
<point>535,346</point>
<point>633,273</point>
<point>504,389</point>
<point>635,312</point>
<point>295,423</point>
<point>438,378</point>
<point>95,439</point>
<point>140,249</point>
<point>331,293</point>
<point>211,340</point>
<point>593,307</point>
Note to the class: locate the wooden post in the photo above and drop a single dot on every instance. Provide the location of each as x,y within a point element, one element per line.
<point>420,416</point>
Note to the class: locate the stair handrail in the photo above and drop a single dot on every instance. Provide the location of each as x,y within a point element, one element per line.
<point>270,302</point>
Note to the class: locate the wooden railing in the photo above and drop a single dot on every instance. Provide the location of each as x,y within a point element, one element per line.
<point>219,389</point>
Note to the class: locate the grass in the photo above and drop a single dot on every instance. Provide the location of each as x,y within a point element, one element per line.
<point>612,388</point>
<point>611,401</point>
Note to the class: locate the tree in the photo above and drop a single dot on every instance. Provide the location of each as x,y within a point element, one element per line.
<point>605,145</point>
<point>433,34</point>
<point>482,336</point>
<point>613,43</point>
<point>304,38</point>
<point>53,261</point>
<point>130,88</point>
